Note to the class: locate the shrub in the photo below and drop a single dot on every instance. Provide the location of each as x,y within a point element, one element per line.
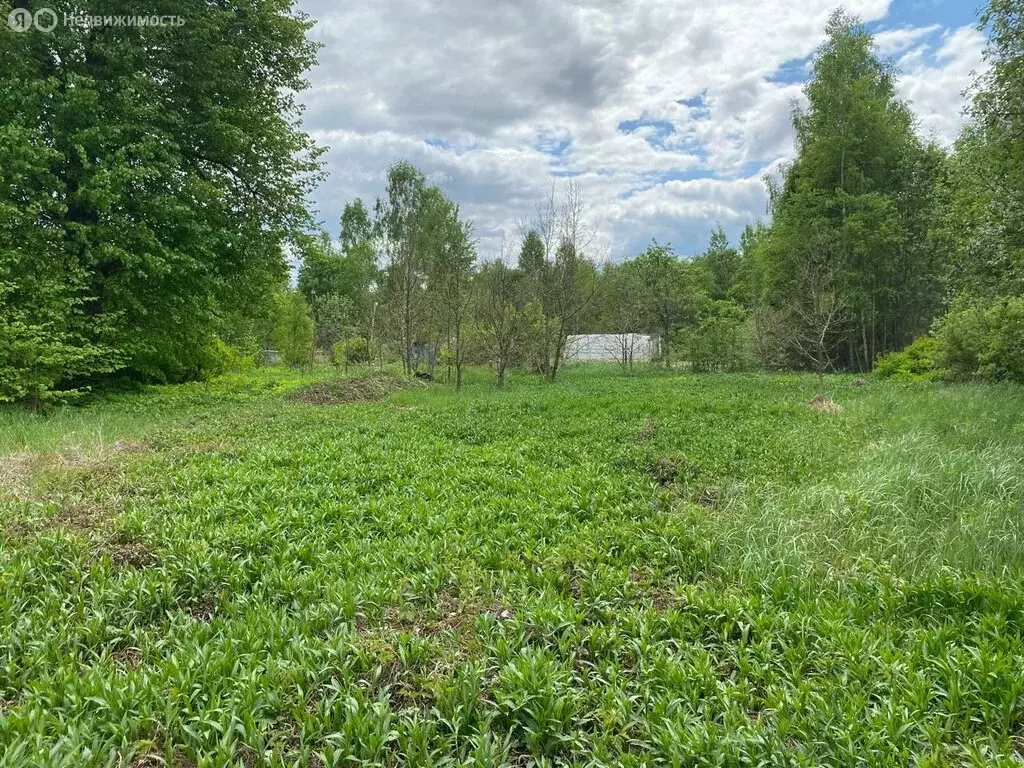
<point>916,362</point>
<point>982,341</point>
<point>354,350</point>
<point>723,341</point>
<point>293,329</point>
<point>225,357</point>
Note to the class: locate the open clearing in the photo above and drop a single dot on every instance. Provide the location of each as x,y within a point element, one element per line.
<point>649,570</point>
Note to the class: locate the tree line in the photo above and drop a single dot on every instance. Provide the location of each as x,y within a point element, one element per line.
<point>154,184</point>
<point>879,240</point>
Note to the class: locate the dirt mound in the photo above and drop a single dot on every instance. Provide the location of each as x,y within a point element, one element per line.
<point>352,390</point>
<point>823,404</point>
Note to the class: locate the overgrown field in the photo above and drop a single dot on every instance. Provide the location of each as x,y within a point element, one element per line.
<point>651,570</point>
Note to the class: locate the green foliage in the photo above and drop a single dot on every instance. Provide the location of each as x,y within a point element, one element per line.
<point>982,337</point>
<point>722,340</point>
<point>234,359</point>
<point>532,259</point>
<point>506,325</point>
<point>356,227</point>
<point>351,351</point>
<point>37,358</point>
<point>916,362</point>
<point>337,284</point>
<point>653,570</point>
<point>985,215</point>
<point>983,341</point>
<point>334,317</point>
<point>671,294</point>
<point>149,181</point>
<point>859,202</point>
<point>48,342</point>
<point>293,329</point>
<point>722,264</point>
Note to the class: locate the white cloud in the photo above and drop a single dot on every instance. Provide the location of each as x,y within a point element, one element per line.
<point>510,93</point>
<point>892,41</point>
<point>934,85</point>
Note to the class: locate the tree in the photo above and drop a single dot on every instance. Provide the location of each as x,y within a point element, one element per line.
<point>722,263</point>
<point>624,303</point>
<point>293,329</point>
<point>333,320</point>
<point>670,294</point>
<point>401,224</point>
<point>818,312</point>
<point>722,339</point>
<point>862,175</point>
<point>337,286</point>
<point>565,287</point>
<point>984,219</point>
<point>47,339</point>
<point>165,174</point>
<point>500,311</point>
<point>536,269</point>
<point>532,255</point>
<point>451,246</point>
<point>356,226</point>
<point>571,290</point>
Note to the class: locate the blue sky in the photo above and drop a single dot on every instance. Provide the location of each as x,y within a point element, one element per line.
<point>667,112</point>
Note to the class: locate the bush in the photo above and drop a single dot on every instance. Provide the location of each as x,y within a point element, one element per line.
<point>723,341</point>
<point>293,329</point>
<point>351,351</point>
<point>225,357</point>
<point>982,342</point>
<point>916,362</point>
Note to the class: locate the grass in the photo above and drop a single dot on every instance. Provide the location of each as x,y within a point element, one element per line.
<point>649,570</point>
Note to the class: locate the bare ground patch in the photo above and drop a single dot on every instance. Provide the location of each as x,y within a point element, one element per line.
<point>449,614</point>
<point>353,390</point>
<point>202,609</point>
<point>36,476</point>
<point>127,658</point>
<point>155,759</point>
<point>708,498</point>
<point>17,475</point>
<point>85,487</point>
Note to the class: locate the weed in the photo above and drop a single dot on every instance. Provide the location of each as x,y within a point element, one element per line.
<point>516,577</point>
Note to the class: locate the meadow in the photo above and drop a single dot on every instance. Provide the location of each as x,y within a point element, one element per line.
<point>648,570</point>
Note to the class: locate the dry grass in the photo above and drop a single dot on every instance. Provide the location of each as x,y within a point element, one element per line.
<point>16,475</point>
<point>86,489</point>
<point>823,404</point>
<point>338,391</point>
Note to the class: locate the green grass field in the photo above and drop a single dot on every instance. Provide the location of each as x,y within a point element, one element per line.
<point>657,570</point>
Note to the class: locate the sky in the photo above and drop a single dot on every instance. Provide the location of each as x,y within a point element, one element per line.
<point>667,112</point>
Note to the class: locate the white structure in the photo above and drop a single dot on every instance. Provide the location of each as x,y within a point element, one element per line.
<point>621,348</point>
